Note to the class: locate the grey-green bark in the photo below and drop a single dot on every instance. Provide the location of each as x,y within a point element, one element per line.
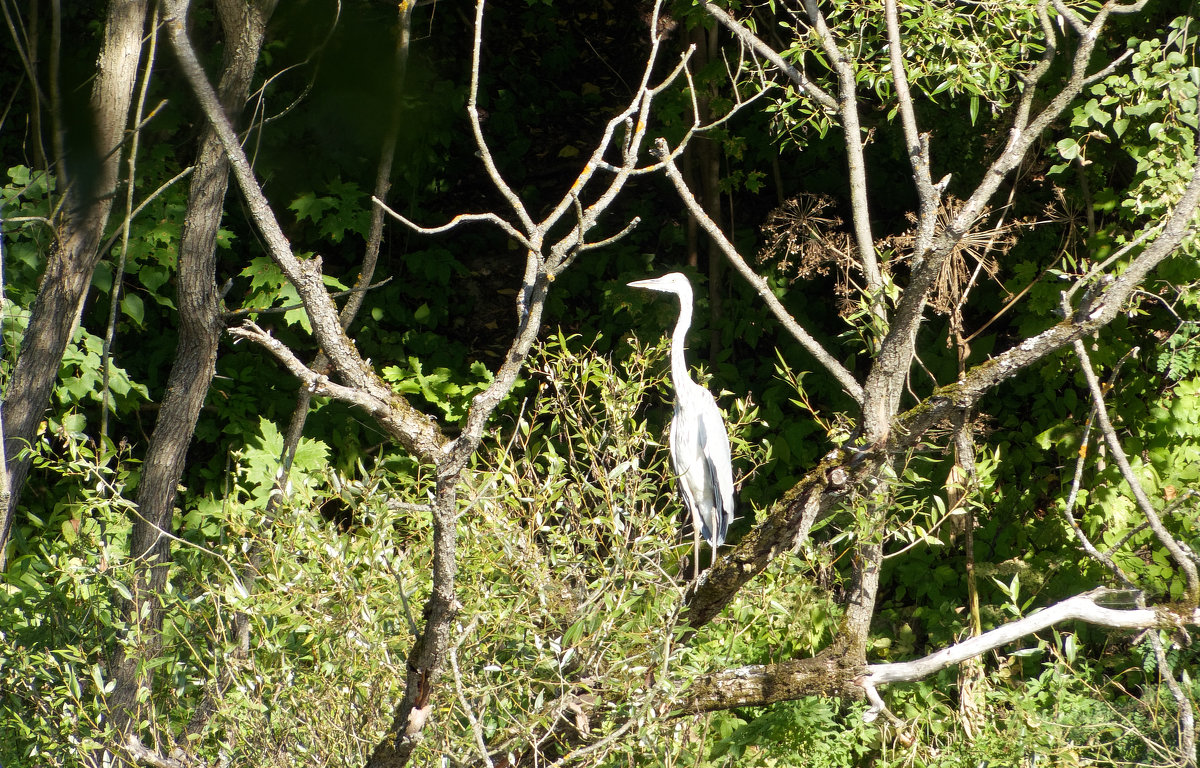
<point>75,254</point>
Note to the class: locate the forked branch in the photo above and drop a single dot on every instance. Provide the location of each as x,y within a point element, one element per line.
<point>416,432</point>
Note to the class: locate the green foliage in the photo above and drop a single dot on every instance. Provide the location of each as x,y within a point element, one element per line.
<point>270,291</point>
<point>26,204</point>
<point>570,540</point>
<point>262,455</point>
<point>811,731</point>
<point>952,53</point>
<point>27,196</point>
<point>58,600</point>
<point>439,387</point>
<point>342,209</point>
<point>1150,109</point>
<point>320,666</point>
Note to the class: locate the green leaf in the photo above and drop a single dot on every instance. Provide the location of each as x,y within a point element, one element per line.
<point>1068,148</point>
<point>153,276</point>
<point>131,305</point>
<point>309,206</point>
<point>122,590</point>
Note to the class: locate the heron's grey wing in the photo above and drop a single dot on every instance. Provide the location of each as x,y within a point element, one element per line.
<point>714,442</point>
<point>685,458</point>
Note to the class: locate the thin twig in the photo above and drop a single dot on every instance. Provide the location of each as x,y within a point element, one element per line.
<point>1069,506</point>
<point>1187,717</point>
<point>1182,558</point>
<point>476,729</point>
<point>918,145</point>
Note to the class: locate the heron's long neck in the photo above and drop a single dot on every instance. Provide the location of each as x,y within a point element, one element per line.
<point>679,373</point>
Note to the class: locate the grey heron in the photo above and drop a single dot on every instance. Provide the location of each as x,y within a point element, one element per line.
<point>699,440</point>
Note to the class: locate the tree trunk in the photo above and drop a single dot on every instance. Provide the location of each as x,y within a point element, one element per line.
<point>200,326</point>
<point>69,268</point>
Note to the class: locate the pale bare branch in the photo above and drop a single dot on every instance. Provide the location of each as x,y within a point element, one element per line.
<point>485,152</point>
<point>413,429</point>
<point>918,146</point>
<point>462,218</point>
<point>756,281</point>
<point>1184,559</point>
<point>751,41</point>
<point>1085,607</point>
<point>855,161</point>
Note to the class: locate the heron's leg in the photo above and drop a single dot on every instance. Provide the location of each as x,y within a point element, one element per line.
<point>696,552</point>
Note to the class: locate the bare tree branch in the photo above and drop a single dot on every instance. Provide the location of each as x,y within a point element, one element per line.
<point>416,432</point>
<point>884,385</point>
<point>1187,716</point>
<point>798,332</point>
<point>462,218</point>
<point>543,261</point>
<point>1183,559</point>
<point>315,382</point>
<point>827,673</point>
<point>1083,607</point>
<point>853,143</point>
<point>918,145</point>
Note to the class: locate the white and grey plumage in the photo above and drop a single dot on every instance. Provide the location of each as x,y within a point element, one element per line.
<point>699,441</point>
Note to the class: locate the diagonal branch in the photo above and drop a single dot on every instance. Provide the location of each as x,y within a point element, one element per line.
<point>846,105</point>
<point>414,430</point>
<point>485,154</point>
<point>789,520</point>
<point>918,145</point>
<point>461,218</point>
<point>885,383</point>
<point>824,486</point>
<point>798,332</point>
<point>856,163</point>
<point>751,41</point>
<point>1104,558</point>
<point>318,383</point>
<point>1185,560</point>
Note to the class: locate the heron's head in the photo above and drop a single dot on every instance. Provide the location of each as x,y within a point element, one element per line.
<point>672,282</point>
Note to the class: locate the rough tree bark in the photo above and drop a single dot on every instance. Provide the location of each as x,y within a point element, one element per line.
<point>200,327</point>
<point>91,185</point>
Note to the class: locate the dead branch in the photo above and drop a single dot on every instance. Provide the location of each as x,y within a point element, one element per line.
<point>798,332</point>
<point>543,261</point>
<point>416,432</point>
<point>833,674</point>
<point>1185,560</point>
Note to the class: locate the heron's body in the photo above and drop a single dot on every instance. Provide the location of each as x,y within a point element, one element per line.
<point>699,442</point>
